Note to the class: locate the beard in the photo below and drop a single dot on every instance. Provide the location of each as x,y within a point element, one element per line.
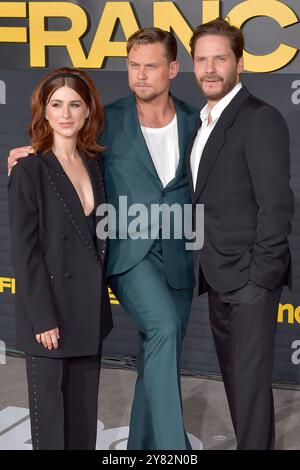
<point>227,85</point>
<point>148,94</point>
<point>143,97</point>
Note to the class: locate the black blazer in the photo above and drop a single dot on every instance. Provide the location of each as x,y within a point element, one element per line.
<point>243,182</point>
<point>59,272</point>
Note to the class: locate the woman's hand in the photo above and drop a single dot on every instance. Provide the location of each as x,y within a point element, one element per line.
<point>49,338</point>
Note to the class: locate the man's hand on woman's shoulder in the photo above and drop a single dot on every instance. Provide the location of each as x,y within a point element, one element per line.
<point>15,154</point>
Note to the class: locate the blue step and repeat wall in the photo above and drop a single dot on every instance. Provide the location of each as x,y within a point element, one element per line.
<point>91,34</point>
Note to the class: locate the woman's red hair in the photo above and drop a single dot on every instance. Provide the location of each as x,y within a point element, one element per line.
<point>40,131</point>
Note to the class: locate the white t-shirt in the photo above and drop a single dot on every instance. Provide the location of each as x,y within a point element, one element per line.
<point>163,147</point>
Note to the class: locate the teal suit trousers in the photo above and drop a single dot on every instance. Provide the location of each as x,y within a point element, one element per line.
<point>161,314</point>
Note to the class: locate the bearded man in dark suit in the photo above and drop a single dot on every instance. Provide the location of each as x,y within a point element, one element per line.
<point>239,168</point>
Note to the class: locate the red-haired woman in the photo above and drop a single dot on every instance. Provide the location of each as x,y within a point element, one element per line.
<point>62,306</point>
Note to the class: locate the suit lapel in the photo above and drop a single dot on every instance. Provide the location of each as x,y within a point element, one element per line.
<point>131,126</point>
<point>94,167</point>
<point>134,133</point>
<point>188,154</point>
<point>217,139</point>
<point>209,156</point>
<point>68,198</point>
<point>185,125</point>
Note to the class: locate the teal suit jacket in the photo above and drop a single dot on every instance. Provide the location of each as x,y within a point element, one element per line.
<point>129,171</point>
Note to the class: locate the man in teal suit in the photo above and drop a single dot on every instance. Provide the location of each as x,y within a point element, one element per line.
<point>145,136</point>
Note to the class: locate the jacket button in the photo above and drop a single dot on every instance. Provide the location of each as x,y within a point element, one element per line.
<point>163,194</point>
<point>63,237</point>
<point>67,275</point>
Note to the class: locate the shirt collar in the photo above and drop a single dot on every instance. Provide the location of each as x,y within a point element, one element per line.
<point>217,110</point>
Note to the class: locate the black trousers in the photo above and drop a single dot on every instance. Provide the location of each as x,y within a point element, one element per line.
<point>63,401</point>
<point>243,323</point>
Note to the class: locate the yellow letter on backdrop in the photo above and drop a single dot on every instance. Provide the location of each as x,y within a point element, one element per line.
<point>40,38</point>
<point>102,45</point>
<point>276,10</point>
<point>166,16</point>
<point>13,10</point>
<point>210,10</point>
